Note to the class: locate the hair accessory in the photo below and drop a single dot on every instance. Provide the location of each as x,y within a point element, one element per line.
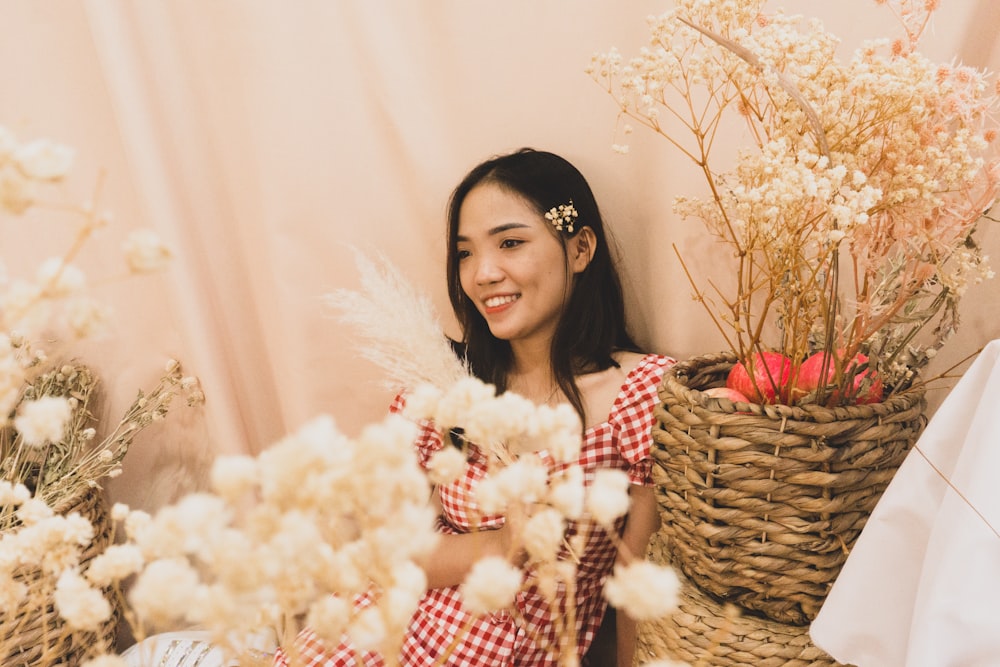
<point>563,217</point>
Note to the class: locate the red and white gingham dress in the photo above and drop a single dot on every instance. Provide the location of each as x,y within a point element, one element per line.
<point>525,638</point>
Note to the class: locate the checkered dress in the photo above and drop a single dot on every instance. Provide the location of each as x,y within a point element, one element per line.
<point>524,636</point>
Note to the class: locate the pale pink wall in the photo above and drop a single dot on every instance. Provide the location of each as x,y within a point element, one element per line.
<point>262,139</point>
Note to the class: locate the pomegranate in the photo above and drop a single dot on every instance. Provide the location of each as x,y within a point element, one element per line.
<point>768,382</point>
<point>819,370</point>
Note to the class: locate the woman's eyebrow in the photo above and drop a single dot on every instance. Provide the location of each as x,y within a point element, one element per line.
<point>499,229</point>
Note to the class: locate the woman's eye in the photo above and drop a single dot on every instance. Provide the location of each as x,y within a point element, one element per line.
<point>510,243</point>
<point>462,254</point>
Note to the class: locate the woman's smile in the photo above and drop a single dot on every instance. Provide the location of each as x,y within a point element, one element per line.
<point>498,304</point>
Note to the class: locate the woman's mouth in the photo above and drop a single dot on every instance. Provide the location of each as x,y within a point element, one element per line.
<point>495,304</point>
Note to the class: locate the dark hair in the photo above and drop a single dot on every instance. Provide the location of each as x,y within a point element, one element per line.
<point>592,325</point>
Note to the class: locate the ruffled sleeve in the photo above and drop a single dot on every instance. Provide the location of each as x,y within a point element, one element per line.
<point>428,439</point>
<point>632,420</point>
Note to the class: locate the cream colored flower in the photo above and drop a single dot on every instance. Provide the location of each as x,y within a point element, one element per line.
<point>643,590</point>
<point>490,585</point>
<point>328,618</point>
<point>43,420</point>
<point>81,606</point>
<point>86,317</point>
<point>117,562</point>
<point>76,529</point>
<point>137,522</point>
<point>119,511</point>
<point>543,534</point>
<point>446,465</point>
<point>422,401</point>
<point>460,399</point>
<point>17,193</point>
<point>607,496</point>
<point>44,160</point>
<point>233,476</point>
<point>524,480</point>
<point>163,591</point>
<point>398,605</point>
<point>13,494</point>
<point>367,630</point>
<point>33,511</point>
<point>145,252</point>
<point>567,493</point>
<point>59,279</point>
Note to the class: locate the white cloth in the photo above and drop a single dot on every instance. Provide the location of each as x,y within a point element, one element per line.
<point>921,587</point>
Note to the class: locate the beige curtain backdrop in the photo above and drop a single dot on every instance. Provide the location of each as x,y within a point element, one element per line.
<point>264,139</point>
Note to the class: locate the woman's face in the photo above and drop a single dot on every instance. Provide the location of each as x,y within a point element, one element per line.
<point>511,265</point>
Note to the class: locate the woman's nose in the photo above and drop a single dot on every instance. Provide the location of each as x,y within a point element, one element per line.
<point>487,271</point>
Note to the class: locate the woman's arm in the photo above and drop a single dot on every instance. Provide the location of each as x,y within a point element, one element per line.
<point>643,520</point>
<point>449,563</point>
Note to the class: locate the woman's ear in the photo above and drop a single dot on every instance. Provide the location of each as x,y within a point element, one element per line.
<point>581,249</point>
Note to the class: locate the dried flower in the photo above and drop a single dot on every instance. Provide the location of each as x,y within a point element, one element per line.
<point>59,279</point>
<point>164,591</point>
<point>233,476</point>
<point>643,590</point>
<point>543,534</point>
<point>43,420</point>
<point>490,585</point>
<point>607,496</point>
<point>80,605</point>
<point>852,216</point>
<point>145,252</point>
<point>116,563</point>
<point>446,465</point>
<point>44,160</point>
<point>328,618</point>
<point>367,630</point>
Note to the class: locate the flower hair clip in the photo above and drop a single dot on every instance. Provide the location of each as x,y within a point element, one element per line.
<point>563,217</point>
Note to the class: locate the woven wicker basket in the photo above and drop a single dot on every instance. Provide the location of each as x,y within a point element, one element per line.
<point>35,635</point>
<point>705,633</point>
<point>760,505</point>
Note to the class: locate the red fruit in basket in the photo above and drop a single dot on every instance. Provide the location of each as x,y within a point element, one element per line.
<point>726,392</point>
<point>768,381</point>
<point>819,370</point>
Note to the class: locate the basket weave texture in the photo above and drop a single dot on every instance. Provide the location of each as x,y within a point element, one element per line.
<point>760,504</point>
<point>35,635</point>
<point>704,632</point>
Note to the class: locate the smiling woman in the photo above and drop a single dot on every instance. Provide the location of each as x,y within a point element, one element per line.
<point>538,297</point>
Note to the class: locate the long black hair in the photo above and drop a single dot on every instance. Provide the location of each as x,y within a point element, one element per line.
<point>592,324</point>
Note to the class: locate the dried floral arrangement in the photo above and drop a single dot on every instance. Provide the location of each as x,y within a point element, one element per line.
<point>852,213</point>
<point>54,450</point>
<point>319,535</point>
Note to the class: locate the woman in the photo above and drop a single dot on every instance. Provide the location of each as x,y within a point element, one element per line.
<point>533,285</point>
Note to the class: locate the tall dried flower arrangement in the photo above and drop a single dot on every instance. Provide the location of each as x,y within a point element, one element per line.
<point>852,212</point>
<point>54,452</point>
